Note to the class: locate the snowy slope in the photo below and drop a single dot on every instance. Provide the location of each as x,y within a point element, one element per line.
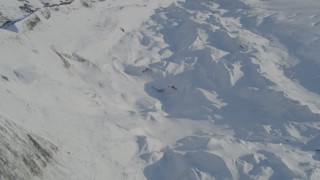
<point>160,90</point>
<point>14,10</point>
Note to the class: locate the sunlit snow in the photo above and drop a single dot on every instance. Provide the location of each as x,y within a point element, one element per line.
<point>159,89</point>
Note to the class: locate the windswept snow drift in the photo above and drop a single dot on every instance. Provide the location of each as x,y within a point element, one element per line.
<point>160,90</point>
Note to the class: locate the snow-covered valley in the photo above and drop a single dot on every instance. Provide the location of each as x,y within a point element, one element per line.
<point>160,89</point>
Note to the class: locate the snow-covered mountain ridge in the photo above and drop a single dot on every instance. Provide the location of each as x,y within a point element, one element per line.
<point>219,89</point>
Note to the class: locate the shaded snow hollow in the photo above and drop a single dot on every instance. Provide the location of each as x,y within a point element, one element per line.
<point>160,90</point>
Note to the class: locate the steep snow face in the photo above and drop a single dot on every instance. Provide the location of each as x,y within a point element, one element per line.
<point>160,90</point>
<point>23,155</point>
<point>296,31</point>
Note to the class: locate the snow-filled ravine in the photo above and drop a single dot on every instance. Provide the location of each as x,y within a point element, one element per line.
<point>159,89</point>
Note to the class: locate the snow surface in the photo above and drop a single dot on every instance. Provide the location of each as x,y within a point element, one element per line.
<point>160,90</point>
